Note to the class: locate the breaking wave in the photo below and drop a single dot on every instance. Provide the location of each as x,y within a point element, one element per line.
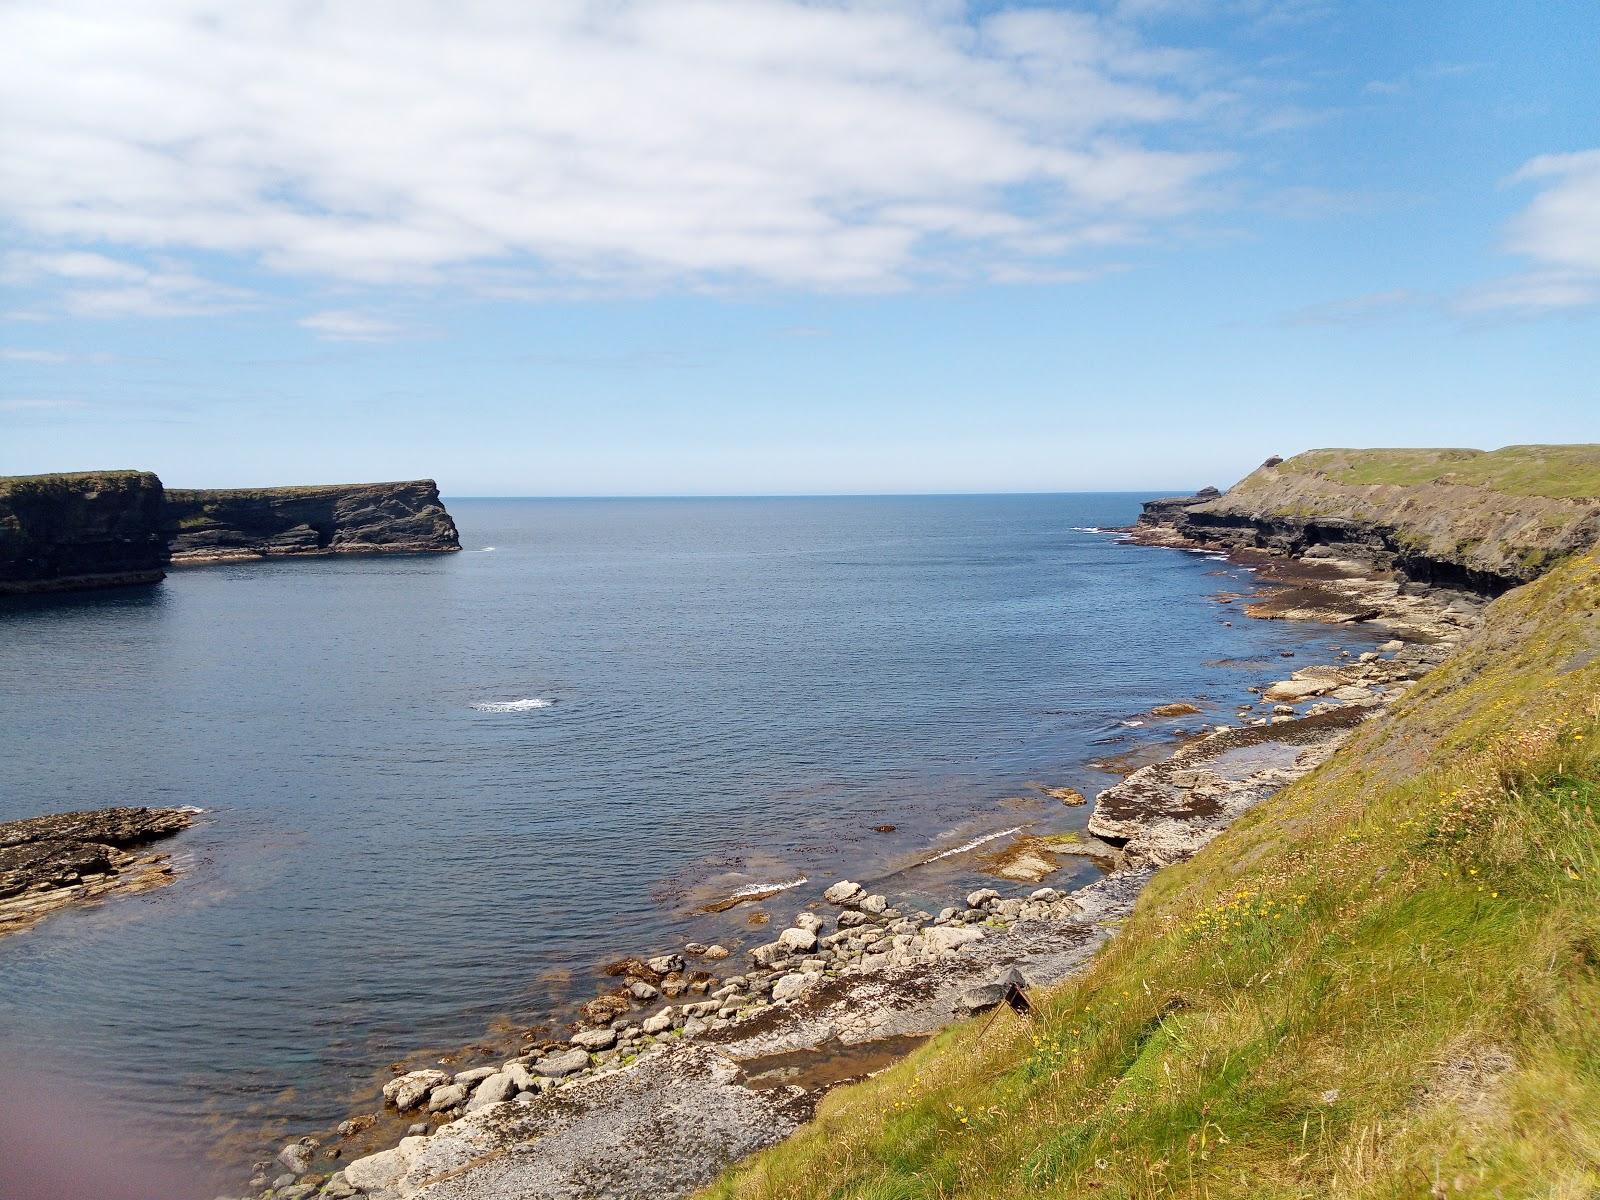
<point>767,889</point>
<point>503,706</point>
<point>973,844</point>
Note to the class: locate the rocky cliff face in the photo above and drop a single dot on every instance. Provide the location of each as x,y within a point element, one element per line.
<point>1465,519</point>
<point>91,529</point>
<point>245,523</point>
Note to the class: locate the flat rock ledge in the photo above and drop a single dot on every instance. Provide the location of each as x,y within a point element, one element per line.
<point>49,862</point>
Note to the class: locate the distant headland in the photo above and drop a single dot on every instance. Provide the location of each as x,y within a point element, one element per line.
<point>96,529</point>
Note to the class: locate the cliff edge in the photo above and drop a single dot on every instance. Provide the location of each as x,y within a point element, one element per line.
<point>1472,520</point>
<point>363,518</point>
<point>82,530</point>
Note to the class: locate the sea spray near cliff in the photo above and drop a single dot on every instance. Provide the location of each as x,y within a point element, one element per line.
<point>747,689</point>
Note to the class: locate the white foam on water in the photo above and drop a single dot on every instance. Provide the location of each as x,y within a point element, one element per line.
<point>1131,724</point>
<point>973,844</point>
<point>190,808</point>
<point>526,704</point>
<point>764,889</point>
<point>487,550</point>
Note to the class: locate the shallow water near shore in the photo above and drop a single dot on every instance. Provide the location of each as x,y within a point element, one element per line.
<point>440,791</point>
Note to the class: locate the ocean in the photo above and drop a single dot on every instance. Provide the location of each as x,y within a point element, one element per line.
<point>441,792</point>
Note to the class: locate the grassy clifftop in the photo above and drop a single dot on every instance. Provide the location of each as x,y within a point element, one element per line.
<point>1558,472</point>
<point>1383,982</point>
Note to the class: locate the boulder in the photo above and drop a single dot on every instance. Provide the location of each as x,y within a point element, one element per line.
<point>499,1086</point>
<point>296,1157</point>
<point>407,1091</point>
<point>447,1096</point>
<point>791,986</point>
<point>942,938</point>
<point>981,897</point>
<point>666,964</point>
<point>558,1066</point>
<point>716,952</point>
<point>595,1039</point>
<point>800,941</point>
<point>843,892</point>
<point>381,1171</point>
<point>660,1022</point>
<point>873,904</point>
<point>475,1076</point>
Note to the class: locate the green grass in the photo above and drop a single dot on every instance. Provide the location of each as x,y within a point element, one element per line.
<point>1563,472</point>
<point>72,479</point>
<point>1383,982</point>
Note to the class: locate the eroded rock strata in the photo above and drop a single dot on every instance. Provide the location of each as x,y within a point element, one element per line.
<point>84,530</point>
<point>248,523</point>
<point>49,862</point>
<point>1469,520</point>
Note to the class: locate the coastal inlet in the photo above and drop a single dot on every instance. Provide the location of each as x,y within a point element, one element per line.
<point>398,854</point>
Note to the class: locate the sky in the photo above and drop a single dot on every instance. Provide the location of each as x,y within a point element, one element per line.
<point>640,247</point>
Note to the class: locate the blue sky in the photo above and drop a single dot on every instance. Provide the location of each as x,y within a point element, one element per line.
<point>760,246</point>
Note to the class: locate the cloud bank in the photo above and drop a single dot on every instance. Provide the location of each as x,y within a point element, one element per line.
<point>1559,231</point>
<point>568,147</point>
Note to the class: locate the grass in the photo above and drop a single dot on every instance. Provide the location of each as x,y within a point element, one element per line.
<point>1563,472</point>
<point>1383,982</point>
<point>72,479</point>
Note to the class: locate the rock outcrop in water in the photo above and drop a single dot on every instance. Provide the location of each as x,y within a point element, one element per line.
<point>1470,520</point>
<point>95,529</point>
<point>84,530</point>
<point>49,862</point>
<point>366,518</point>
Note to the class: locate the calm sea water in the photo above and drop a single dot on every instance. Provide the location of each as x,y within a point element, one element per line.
<point>440,790</point>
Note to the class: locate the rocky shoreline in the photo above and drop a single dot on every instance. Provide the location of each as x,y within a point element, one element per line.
<point>50,862</point>
<point>684,1067</point>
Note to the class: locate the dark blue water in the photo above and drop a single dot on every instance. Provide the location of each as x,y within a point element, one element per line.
<point>740,690</point>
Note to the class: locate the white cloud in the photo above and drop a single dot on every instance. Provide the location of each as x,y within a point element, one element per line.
<point>1358,309</point>
<point>346,326</point>
<point>94,285</point>
<point>573,146</point>
<point>43,357</point>
<point>1560,232</point>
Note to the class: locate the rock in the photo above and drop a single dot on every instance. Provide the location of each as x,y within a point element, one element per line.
<point>695,949</point>
<point>849,920</point>
<point>1174,710</point>
<point>660,1022</point>
<point>1295,690</point>
<point>380,1171</point>
<point>447,1096</point>
<point>473,1077</point>
<point>521,1079</point>
<point>296,1157</point>
<point>357,1125</point>
<point>809,921</point>
<point>558,1066</point>
<point>283,1181</point>
<point>980,998</point>
<point>941,938</point>
<point>766,955</point>
<point>801,941</point>
<point>981,897</point>
<point>667,964</point>
<point>1045,894</point>
<point>407,1091</point>
<point>595,1039</point>
<point>1393,646</point>
<point>417,1129</point>
<point>640,990</point>
<point>499,1086</point>
<point>843,892</point>
<point>874,904</point>
<point>791,986</point>
<point>694,1027</point>
<point>716,952</point>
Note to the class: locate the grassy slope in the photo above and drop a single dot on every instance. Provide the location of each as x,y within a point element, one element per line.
<point>1562,472</point>
<point>1383,982</point>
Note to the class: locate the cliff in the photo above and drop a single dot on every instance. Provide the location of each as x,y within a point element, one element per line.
<point>364,518</point>
<point>1473,520</point>
<point>83,530</point>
